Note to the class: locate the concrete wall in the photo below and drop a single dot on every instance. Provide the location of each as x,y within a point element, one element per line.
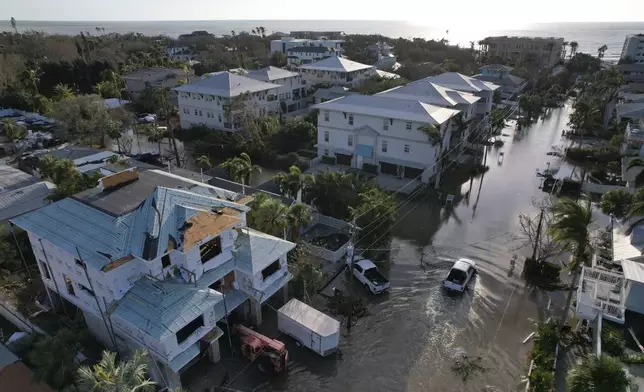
<point>634,297</point>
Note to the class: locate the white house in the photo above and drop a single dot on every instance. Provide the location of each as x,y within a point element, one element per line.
<point>292,87</point>
<point>217,100</point>
<point>633,48</point>
<point>499,74</point>
<point>460,82</point>
<point>155,261</point>
<point>427,92</point>
<point>285,43</point>
<point>336,71</point>
<point>299,55</point>
<point>359,130</point>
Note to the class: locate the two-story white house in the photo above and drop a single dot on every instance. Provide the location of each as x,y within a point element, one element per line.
<point>155,261</point>
<point>384,132</point>
<point>299,55</point>
<point>460,82</point>
<point>292,87</point>
<point>499,75</point>
<point>218,100</point>
<point>337,71</point>
<point>285,43</point>
<point>427,92</point>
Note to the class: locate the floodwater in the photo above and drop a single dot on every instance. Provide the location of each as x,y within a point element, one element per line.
<point>412,336</point>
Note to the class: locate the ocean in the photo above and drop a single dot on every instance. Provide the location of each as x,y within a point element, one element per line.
<point>590,36</point>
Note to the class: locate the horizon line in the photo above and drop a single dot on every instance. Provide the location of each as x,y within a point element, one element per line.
<point>288,20</point>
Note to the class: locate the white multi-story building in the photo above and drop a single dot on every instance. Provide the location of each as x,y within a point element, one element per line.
<point>427,92</point>
<point>307,54</point>
<point>292,87</point>
<point>141,79</point>
<point>499,74</point>
<point>460,82</point>
<point>634,48</point>
<point>286,43</point>
<point>384,132</point>
<point>155,261</point>
<point>337,71</point>
<point>217,100</point>
<point>545,50</point>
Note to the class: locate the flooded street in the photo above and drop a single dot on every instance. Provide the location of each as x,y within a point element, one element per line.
<point>413,335</point>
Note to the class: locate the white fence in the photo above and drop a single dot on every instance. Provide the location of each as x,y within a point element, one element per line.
<point>601,189</point>
<point>340,226</point>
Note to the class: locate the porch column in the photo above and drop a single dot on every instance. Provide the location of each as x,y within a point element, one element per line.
<point>256,312</point>
<point>285,293</point>
<point>214,353</point>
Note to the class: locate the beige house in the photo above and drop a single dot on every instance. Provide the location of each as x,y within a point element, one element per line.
<point>547,50</point>
<point>155,77</point>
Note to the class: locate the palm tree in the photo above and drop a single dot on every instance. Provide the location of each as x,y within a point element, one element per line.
<point>616,202</point>
<point>62,91</point>
<point>299,215</point>
<point>14,25</point>
<point>110,376</point>
<point>573,48</point>
<point>571,226</point>
<point>53,358</point>
<point>33,79</point>
<point>203,161</point>
<point>241,168</point>
<point>290,183</point>
<point>13,131</point>
<point>603,374</point>
<point>563,48</point>
<point>268,215</point>
<point>114,130</point>
<point>435,137</point>
<point>601,51</point>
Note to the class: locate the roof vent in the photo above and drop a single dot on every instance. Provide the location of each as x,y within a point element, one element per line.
<point>117,179</point>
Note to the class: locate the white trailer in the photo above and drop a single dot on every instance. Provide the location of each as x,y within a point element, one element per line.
<point>309,327</point>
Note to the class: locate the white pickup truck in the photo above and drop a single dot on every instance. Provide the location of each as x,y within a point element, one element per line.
<point>367,273</point>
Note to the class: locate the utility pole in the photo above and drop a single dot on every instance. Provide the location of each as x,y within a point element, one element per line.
<point>350,257</point>
<point>536,241</point>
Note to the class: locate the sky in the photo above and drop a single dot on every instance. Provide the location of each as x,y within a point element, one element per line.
<point>507,13</point>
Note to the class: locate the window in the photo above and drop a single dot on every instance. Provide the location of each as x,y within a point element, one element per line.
<point>326,136</point>
<point>70,285</point>
<point>196,112</point>
<point>351,119</point>
<point>407,148</point>
<point>200,113</point>
<point>219,117</point>
<point>165,260</point>
<point>79,263</point>
<point>385,124</point>
<point>85,289</point>
<point>271,269</point>
<point>326,116</point>
<point>210,249</point>
<point>350,141</point>
<point>326,152</point>
<point>185,332</point>
<point>408,125</point>
<point>45,269</point>
<point>384,146</point>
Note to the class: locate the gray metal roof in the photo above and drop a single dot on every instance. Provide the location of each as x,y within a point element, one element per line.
<point>633,270</point>
<point>12,178</point>
<point>20,201</point>
<point>460,82</point>
<point>225,84</point>
<point>271,73</point>
<point>337,64</point>
<point>256,250</point>
<point>70,152</point>
<point>7,357</point>
<point>163,308</point>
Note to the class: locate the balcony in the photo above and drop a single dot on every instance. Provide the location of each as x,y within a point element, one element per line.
<point>635,132</point>
<point>601,292</point>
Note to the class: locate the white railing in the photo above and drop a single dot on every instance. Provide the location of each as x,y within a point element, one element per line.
<point>589,295</point>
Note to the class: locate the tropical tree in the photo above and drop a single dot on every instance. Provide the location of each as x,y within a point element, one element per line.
<point>290,183</point>
<point>573,48</point>
<point>603,374</point>
<point>114,130</point>
<point>240,169</point>
<point>62,91</point>
<point>53,358</point>
<point>12,130</point>
<point>307,273</point>
<point>111,376</point>
<point>299,215</point>
<point>158,100</point>
<point>497,119</point>
<point>68,180</point>
<point>600,52</point>
<point>616,202</point>
<point>435,137</point>
<point>14,25</point>
<point>334,193</point>
<point>587,115</point>
<point>155,135</point>
<point>268,215</point>
<point>375,215</point>
<point>82,118</point>
<point>637,208</point>
<point>571,226</point>
<point>203,162</point>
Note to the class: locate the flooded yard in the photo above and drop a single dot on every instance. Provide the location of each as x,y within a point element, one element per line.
<point>413,335</point>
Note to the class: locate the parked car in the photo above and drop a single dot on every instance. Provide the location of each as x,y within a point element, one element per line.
<point>309,327</point>
<point>367,273</point>
<point>460,275</point>
<point>147,118</point>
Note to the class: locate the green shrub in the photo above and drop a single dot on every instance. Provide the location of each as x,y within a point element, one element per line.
<point>328,159</point>
<point>370,168</point>
<point>613,341</point>
<point>633,358</point>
